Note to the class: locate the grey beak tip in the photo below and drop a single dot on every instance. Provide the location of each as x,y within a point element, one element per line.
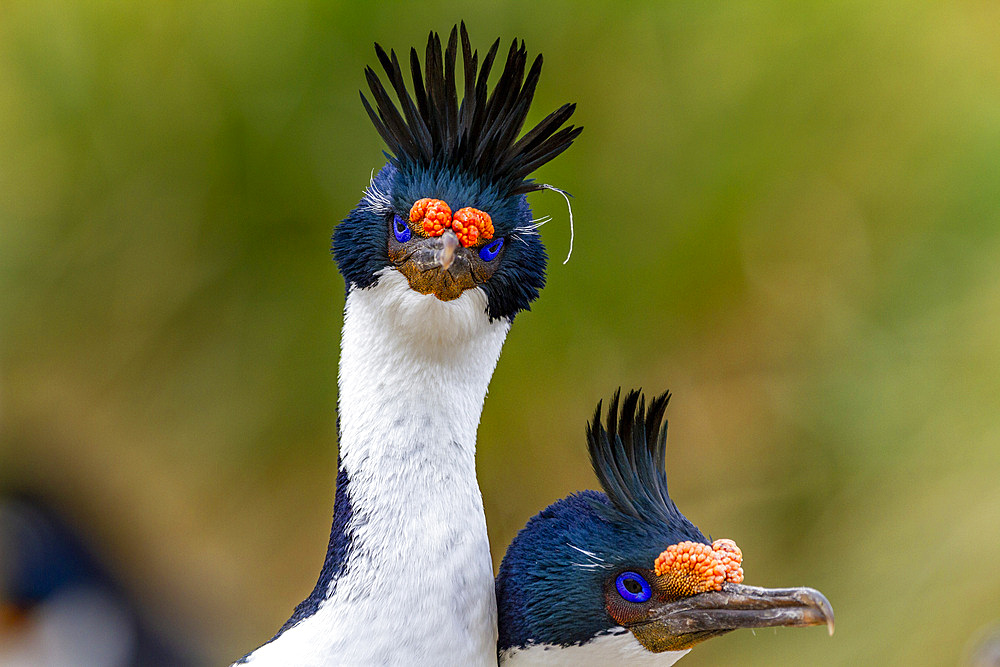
<point>449,242</point>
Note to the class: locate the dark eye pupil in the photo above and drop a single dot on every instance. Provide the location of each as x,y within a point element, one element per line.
<point>489,252</point>
<point>632,586</point>
<point>400,227</point>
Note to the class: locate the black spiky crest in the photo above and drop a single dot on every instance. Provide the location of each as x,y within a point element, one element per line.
<point>479,137</point>
<point>629,456</point>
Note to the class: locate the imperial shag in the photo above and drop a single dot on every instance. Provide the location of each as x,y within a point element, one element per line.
<point>438,257</point>
<point>622,576</point>
<point>62,603</point>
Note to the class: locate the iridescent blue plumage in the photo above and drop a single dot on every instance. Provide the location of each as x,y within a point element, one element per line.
<point>468,155</point>
<point>64,602</point>
<point>550,588</point>
<point>623,576</point>
<point>437,258</point>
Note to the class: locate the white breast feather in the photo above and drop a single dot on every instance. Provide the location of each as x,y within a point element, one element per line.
<point>617,647</point>
<point>418,589</point>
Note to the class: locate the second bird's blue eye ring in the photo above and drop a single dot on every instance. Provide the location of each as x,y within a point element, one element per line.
<point>400,229</point>
<point>489,253</point>
<point>633,587</point>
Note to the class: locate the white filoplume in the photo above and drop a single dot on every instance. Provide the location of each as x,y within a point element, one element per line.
<point>418,586</point>
<point>617,647</point>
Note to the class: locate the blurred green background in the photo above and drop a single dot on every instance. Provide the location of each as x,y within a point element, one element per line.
<point>787,213</point>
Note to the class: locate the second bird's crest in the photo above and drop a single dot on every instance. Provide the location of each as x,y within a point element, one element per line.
<point>628,453</point>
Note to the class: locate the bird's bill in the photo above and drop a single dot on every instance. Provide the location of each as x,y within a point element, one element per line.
<point>12,617</point>
<point>438,265</point>
<point>681,623</point>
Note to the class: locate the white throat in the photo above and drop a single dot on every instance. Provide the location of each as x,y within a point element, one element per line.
<point>617,647</point>
<point>417,586</point>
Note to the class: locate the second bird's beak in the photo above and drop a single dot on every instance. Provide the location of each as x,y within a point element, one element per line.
<point>682,623</point>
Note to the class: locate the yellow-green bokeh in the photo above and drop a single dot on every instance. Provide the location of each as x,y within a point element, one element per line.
<point>787,213</point>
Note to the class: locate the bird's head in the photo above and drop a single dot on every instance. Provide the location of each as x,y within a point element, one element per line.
<point>448,211</point>
<point>623,573</point>
<point>42,559</point>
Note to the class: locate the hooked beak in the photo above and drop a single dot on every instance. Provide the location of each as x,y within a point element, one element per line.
<point>446,254</point>
<point>438,265</point>
<point>684,622</point>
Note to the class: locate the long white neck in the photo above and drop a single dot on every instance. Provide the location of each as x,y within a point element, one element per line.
<point>409,578</point>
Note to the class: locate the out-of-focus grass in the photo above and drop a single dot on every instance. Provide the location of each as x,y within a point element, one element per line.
<point>787,214</point>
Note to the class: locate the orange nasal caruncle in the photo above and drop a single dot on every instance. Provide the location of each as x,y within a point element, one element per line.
<point>471,225</point>
<point>432,217</point>
<point>693,567</point>
<point>732,559</point>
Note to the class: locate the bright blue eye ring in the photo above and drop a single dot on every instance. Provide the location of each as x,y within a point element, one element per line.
<point>490,252</point>
<point>400,229</point>
<point>631,580</point>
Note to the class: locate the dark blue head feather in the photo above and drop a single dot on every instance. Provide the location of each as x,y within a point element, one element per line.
<point>360,241</point>
<point>629,457</point>
<point>466,154</point>
<point>41,555</point>
<point>46,559</point>
<point>478,138</point>
<point>550,589</point>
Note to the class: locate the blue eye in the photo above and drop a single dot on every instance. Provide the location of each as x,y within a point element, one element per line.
<point>490,252</point>
<point>633,587</point>
<point>400,229</point>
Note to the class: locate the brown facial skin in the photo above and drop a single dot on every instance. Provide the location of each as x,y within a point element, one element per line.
<point>439,265</point>
<point>668,622</point>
